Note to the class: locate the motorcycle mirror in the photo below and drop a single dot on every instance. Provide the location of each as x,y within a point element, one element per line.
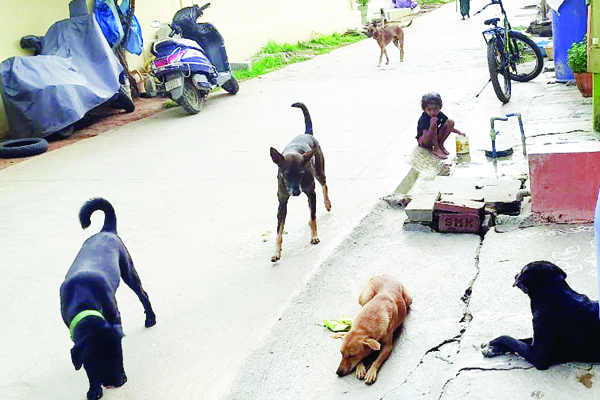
<point>155,24</point>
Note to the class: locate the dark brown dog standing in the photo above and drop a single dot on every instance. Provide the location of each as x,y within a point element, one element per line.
<point>384,34</point>
<point>385,306</point>
<point>300,163</point>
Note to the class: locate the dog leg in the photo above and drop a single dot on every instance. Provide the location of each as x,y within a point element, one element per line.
<point>281,214</point>
<point>132,279</point>
<point>95,391</point>
<point>539,358</point>
<point>312,204</point>
<point>371,376</point>
<point>320,176</point>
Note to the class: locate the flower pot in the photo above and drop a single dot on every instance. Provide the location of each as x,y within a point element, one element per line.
<point>584,83</point>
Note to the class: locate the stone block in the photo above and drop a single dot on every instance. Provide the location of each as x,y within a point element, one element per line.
<point>421,207</point>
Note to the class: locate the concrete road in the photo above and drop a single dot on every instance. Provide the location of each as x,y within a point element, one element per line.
<point>196,205</point>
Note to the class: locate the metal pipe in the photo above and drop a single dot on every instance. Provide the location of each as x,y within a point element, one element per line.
<point>493,133</point>
<point>518,115</point>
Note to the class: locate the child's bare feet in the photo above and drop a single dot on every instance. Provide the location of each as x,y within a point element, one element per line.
<point>439,154</point>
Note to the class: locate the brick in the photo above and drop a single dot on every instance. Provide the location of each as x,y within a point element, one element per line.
<point>464,223</point>
<point>421,207</point>
<point>457,205</point>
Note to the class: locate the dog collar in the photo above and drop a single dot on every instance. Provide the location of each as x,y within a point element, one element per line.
<point>79,317</point>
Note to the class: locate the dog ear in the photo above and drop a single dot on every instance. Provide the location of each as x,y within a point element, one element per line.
<point>76,357</point>
<point>373,344</point>
<point>338,335</point>
<point>276,156</point>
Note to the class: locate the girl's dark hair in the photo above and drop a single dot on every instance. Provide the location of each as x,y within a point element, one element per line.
<point>431,98</point>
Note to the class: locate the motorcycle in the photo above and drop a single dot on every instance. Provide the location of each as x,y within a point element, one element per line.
<point>189,67</point>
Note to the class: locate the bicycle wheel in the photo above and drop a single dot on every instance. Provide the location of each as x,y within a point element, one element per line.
<point>498,72</point>
<point>526,60</point>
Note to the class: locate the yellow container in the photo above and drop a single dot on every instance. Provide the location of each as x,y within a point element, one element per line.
<point>462,144</point>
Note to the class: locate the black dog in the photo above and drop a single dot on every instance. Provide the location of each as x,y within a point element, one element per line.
<point>88,304</point>
<point>566,326</point>
<point>302,160</point>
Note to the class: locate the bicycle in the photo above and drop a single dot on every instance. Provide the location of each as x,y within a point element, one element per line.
<point>511,55</point>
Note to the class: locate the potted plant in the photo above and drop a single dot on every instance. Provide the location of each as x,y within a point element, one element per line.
<point>577,61</point>
<point>362,7</point>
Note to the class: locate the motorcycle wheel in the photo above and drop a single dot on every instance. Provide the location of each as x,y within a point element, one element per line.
<point>231,86</point>
<point>191,100</point>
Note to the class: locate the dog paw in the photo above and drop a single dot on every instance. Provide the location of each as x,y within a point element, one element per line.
<point>314,240</point>
<point>327,205</point>
<point>276,257</point>
<point>489,350</point>
<point>361,371</point>
<point>371,376</point>
<point>150,322</point>
<point>94,394</point>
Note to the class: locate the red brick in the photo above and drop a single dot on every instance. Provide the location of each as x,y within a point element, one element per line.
<point>459,223</point>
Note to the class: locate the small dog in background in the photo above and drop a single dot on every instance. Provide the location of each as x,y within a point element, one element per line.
<point>385,33</point>
<point>300,163</point>
<point>88,303</point>
<point>385,306</point>
<point>566,325</point>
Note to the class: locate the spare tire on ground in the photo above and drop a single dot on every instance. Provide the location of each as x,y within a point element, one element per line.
<point>23,147</point>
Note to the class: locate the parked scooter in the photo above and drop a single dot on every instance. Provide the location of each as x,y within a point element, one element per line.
<point>189,67</point>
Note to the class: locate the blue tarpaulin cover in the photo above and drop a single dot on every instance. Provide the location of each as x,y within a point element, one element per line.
<point>75,72</point>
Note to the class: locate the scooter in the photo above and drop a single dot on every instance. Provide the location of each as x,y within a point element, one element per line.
<point>189,67</point>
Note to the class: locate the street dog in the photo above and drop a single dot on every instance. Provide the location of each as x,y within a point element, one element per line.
<point>384,34</point>
<point>88,304</point>
<point>566,326</point>
<point>385,306</point>
<point>300,163</point>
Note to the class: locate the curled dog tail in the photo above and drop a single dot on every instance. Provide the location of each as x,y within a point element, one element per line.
<point>406,26</point>
<point>110,219</point>
<point>307,120</point>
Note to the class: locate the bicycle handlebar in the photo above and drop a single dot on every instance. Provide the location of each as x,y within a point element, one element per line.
<point>494,2</point>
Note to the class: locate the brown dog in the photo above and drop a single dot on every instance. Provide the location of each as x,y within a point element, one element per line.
<point>385,306</point>
<point>384,34</point>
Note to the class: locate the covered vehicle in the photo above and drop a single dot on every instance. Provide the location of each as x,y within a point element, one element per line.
<point>75,72</point>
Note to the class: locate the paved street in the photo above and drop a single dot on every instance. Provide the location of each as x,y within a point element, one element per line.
<point>196,204</point>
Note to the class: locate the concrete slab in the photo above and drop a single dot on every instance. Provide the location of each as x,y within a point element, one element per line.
<point>495,192</point>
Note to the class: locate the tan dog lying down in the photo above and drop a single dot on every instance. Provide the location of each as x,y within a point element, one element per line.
<point>385,305</point>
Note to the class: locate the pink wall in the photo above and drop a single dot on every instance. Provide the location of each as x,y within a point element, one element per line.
<point>564,181</point>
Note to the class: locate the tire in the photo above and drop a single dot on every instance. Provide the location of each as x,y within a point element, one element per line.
<point>526,60</point>
<point>192,100</point>
<point>498,74</point>
<point>231,86</point>
<point>23,147</point>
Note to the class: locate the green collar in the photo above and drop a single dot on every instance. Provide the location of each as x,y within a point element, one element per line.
<point>79,317</point>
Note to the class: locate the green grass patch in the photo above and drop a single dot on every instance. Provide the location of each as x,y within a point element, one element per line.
<point>434,2</point>
<point>275,56</point>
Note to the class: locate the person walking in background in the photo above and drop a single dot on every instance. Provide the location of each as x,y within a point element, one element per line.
<point>465,8</point>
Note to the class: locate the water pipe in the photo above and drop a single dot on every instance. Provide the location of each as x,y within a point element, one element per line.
<point>493,133</point>
<point>518,115</point>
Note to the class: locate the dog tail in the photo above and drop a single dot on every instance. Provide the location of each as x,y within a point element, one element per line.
<point>110,219</point>
<point>307,120</point>
<point>411,21</point>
